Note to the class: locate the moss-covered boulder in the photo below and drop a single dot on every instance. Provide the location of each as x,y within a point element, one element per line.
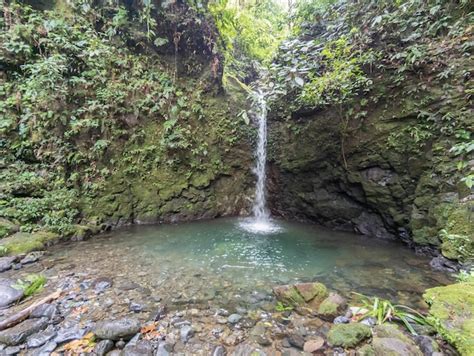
<point>23,242</point>
<point>453,307</point>
<point>7,227</point>
<point>348,335</point>
<point>307,295</point>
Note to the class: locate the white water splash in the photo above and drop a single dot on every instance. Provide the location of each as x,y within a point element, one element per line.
<point>260,222</point>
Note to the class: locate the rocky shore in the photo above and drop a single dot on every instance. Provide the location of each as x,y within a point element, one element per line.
<point>94,315</point>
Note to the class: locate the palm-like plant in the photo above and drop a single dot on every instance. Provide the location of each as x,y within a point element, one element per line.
<point>383,310</point>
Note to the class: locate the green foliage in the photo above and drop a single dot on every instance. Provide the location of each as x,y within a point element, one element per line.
<point>342,77</point>
<point>32,284</point>
<point>465,276</point>
<point>249,31</point>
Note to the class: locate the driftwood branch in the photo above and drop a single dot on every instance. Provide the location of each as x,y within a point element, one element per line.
<point>25,313</point>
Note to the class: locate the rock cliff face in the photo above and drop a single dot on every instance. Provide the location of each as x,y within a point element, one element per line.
<point>380,163</point>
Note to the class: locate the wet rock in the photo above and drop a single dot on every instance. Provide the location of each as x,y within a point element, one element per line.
<point>288,295</point>
<point>331,307</point>
<point>348,335</point>
<point>341,320</point>
<point>257,334</point>
<point>234,318</point>
<point>44,310</point>
<point>101,284</point>
<point>18,334</point>
<point>219,351</point>
<point>141,348</point>
<point>8,294</point>
<point>296,340</point>
<point>311,291</point>
<point>313,345</point>
<point>440,263</point>
<point>69,334</point>
<point>426,344</point>
<point>185,333</point>
<point>6,263</point>
<point>102,347</point>
<point>32,257</point>
<point>394,347</point>
<point>39,339</point>
<point>117,329</point>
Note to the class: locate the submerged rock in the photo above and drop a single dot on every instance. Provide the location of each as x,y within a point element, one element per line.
<point>117,329</point>
<point>19,333</point>
<point>348,335</point>
<point>234,318</point>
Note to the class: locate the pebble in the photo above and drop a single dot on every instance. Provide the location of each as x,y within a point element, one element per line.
<point>313,345</point>
<point>234,318</point>
<point>341,320</point>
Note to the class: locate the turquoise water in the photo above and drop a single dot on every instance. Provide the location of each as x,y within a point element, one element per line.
<point>217,261</point>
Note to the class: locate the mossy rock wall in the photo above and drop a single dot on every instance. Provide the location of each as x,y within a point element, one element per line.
<point>377,178</point>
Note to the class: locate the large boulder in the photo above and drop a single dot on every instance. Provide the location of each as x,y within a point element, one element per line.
<point>301,294</point>
<point>348,335</point>
<point>453,306</point>
<point>116,329</point>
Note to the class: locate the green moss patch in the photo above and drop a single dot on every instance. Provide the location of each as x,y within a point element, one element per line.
<point>453,308</point>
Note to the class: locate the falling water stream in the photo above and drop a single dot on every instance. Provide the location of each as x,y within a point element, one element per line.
<point>260,222</point>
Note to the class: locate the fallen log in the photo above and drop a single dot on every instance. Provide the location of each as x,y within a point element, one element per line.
<point>25,313</point>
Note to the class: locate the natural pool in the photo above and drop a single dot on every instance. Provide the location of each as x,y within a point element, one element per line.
<point>217,263</point>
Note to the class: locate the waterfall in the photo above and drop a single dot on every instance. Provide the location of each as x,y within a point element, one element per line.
<point>260,222</point>
<point>260,211</point>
